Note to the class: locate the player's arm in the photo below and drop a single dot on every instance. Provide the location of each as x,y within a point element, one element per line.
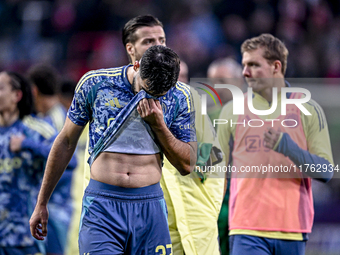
<point>181,155</point>
<point>318,155</point>
<point>58,159</point>
<point>46,133</point>
<point>47,136</point>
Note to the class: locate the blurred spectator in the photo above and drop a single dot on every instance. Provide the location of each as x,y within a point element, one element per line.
<point>261,21</point>
<point>333,64</point>
<point>236,31</point>
<point>306,62</point>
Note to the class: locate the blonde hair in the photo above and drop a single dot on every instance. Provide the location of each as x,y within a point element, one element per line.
<point>274,49</point>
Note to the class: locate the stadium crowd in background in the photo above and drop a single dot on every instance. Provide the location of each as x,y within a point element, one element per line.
<point>77,36</point>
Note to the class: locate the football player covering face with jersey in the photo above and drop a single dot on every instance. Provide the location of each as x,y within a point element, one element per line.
<point>132,170</point>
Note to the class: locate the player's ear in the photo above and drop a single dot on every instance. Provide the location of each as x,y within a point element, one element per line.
<point>130,49</point>
<point>18,95</point>
<point>277,66</point>
<point>136,66</point>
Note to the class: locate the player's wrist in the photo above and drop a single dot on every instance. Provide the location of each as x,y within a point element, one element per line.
<point>276,145</point>
<point>159,126</point>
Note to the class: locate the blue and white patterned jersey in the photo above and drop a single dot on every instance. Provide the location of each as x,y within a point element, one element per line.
<point>20,175</point>
<point>56,116</point>
<point>101,94</point>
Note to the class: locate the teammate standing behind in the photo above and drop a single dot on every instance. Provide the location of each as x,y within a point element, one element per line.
<point>268,214</point>
<point>45,82</point>
<point>123,208</point>
<point>24,146</point>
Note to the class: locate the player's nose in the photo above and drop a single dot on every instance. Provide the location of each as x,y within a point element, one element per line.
<point>246,71</point>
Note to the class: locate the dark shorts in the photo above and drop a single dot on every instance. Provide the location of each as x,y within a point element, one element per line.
<point>254,245</point>
<point>118,220</point>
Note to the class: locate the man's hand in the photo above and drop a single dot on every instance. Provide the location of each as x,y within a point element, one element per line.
<point>15,142</point>
<point>179,153</point>
<point>271,136</point>
<point>38,222</point>
<point>151,111</point>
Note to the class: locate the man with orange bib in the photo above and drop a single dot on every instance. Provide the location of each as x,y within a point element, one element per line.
<point>272,158</point>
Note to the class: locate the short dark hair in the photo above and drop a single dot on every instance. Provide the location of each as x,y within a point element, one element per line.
<point>67,87</point>
<point>19,82</point>
<point>160,68</point>
<point>45,78</point>
<point>128,33</point>
<point>274,49</point>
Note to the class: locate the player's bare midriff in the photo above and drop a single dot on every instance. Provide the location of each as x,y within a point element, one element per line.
<point>127,170</point>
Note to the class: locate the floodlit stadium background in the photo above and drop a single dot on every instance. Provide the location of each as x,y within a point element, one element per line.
<point>76,36</point>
